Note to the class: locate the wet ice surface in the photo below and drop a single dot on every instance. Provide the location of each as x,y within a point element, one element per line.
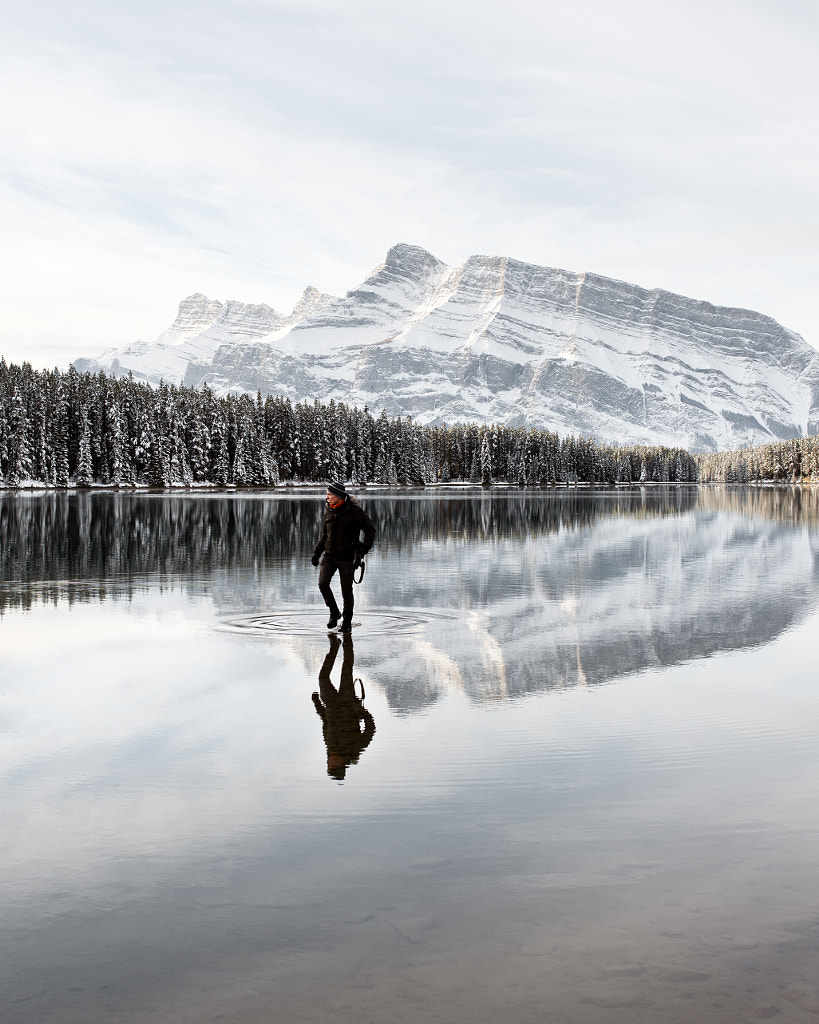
<point>590,794</point>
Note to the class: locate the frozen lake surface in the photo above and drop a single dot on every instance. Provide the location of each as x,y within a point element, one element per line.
<point>581,785</point>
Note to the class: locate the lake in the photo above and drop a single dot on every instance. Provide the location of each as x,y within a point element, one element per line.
<point>564,769</point>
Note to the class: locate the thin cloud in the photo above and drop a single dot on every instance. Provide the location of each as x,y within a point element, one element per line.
<point>247,149</point>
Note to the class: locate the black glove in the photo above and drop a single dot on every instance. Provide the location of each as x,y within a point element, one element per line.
<point>315,559</point>
<point>357,560</point>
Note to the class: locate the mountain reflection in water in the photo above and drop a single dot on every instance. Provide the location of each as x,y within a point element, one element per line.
<point>509,592</point>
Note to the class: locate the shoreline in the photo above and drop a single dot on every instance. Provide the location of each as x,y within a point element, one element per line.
<point>292,487</point>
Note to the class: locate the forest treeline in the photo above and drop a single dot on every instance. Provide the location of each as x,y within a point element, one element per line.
<point>80,429</point>
<point>71,429</point>
<point>781,462</point>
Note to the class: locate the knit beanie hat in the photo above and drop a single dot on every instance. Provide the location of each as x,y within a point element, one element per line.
<point>338,490</point>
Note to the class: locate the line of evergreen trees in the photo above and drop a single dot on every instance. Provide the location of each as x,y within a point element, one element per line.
<point>782,462</point>
<point>78,429</point>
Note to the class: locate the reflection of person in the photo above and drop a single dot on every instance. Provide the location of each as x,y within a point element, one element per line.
<point>342,712</point>
<point>342,549</point>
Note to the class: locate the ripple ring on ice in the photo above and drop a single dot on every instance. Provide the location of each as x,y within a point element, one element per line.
<point>312,622</point>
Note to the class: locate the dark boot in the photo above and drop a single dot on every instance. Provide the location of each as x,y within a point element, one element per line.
<point>333,620</point>
<point>346,624</point>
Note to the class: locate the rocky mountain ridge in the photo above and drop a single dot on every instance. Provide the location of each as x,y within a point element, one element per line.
<point>498,340</point>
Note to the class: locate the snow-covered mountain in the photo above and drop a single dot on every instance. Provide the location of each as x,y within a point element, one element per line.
<point>498,340</point>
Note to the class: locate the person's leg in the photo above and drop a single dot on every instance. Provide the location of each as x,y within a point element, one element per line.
<point>326,572</point>
<point>346,689</point>
<point>330,660</point>
<point>345,575</point>
<point>326,691</point>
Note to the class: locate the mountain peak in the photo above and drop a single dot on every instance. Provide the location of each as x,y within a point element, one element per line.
<point>196,313</point>
<point>404,252</point>
<point>311,301</point>
<point>404,260</point>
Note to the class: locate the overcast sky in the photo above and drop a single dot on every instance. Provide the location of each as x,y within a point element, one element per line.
<point>245,149</point>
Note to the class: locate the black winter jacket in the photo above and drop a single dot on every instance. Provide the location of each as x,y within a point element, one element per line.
<point>341,532</point>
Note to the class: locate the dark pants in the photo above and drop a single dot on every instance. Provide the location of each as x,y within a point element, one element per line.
<point>345,575</point>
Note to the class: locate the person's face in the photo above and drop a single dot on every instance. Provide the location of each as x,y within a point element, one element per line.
<point>333,500</point>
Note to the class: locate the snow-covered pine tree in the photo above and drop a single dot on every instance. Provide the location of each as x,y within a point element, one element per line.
<point>337,427</point>
<point>417,473</point>
<point>40,468</point>
<point>4,437</point>
<point>475,469</point>
<point>85,469</point>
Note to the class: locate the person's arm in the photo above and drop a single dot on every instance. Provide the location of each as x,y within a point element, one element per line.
<point>369,533</point>
<point>319,708</point>
<point>317,550</point>
<point>368,731</point>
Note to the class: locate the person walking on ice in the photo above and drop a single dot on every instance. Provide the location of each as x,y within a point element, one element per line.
<point>340,548</point>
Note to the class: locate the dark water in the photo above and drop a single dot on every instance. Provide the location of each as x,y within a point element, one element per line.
<point>581,784</point>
